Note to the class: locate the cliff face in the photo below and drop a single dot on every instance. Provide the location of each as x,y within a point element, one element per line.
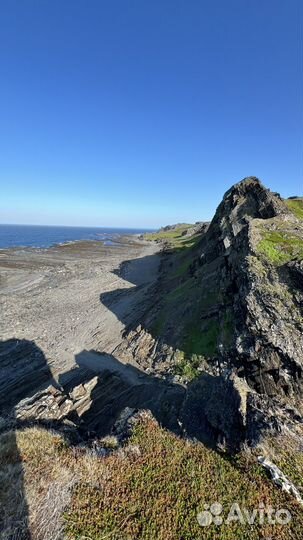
<point>233,303</point>
<point>256,243</point>
<point>236,297</point>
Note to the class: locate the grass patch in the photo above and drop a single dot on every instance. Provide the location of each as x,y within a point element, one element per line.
<point>174,239</point>
<point>157,489</point>
<point>181,292</point>
<point>295,206</point>
<point>152,489</point>
<point>182,267</point>
<point>194,336</point>
<point>202,339</point>
<point>169,234</point>
<point>170,302</point>
<point>280,247</point>
<point>36,473</point>
<point>188,366</point>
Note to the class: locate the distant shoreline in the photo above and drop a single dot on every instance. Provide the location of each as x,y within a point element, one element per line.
<point>44,237</point>
<point>69,243</point>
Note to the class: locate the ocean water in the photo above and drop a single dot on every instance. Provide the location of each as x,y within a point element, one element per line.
<point>42,236</point>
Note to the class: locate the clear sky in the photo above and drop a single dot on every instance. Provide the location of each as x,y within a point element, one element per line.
<point>144,112</point>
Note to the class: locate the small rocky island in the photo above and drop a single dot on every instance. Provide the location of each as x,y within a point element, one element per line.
<point>191,353</point>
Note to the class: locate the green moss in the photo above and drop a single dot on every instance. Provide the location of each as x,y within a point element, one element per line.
<point>188,366</point>
<point>169,235</point>
<point>280,247</point>
<point>296,207</point>
<point>182,267</point>
<point>174,238</point>
<point>202,339</point>
<point>187,369</point>
<point>196,337</point>
<point>170,302</point>
<point>181,292</point>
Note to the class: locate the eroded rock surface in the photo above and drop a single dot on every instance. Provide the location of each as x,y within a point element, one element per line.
<point>234,302</point>
<point>226,312</point>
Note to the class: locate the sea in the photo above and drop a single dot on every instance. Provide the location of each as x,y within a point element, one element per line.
<point>43,236</point>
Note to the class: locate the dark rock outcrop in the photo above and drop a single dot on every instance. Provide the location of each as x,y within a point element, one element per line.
<point>239,306</point>
<point>215,410</point>
<point>200,227</point>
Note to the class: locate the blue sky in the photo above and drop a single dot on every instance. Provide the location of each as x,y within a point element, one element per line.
<point>144,112</point>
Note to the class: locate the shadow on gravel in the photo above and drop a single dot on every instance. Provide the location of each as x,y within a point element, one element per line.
<point>207,409</point>
<point>23,369</point>
<point>141,273</point>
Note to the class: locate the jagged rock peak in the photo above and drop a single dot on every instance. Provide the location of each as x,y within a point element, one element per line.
<point>249,198</point>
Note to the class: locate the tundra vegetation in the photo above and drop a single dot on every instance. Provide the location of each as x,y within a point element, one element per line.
<point>153,487</point>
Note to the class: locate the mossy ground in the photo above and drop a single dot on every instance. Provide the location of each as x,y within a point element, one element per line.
<point>202,338</point>
<point>190,299</point>
<point>200,333</point>
<point>280,246</point>
<point>174,239</point>
<point>156,491</point>
<point>152,489</point>
<point>188,367</point>
<point>296,206</point>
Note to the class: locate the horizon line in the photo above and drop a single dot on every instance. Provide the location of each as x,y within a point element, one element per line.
<point>78,226</point>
